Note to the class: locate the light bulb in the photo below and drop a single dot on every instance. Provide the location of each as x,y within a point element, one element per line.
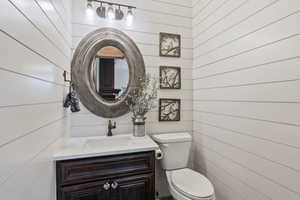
<point>110,12</point>
<point>89,5</point>
<point>129,17</point>
<point>89,9</point>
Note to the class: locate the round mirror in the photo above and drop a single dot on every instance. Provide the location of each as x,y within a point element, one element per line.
<point>109,73</point>
<point>106,67</point>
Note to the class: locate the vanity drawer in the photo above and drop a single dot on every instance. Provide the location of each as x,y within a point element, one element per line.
<point>106,167</point>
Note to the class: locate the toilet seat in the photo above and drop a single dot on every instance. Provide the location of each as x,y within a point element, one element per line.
<point>191,184</point>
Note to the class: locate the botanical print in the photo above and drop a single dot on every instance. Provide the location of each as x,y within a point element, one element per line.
<point>169,109</point>
<point>170,45</point>
<point>170,77</point>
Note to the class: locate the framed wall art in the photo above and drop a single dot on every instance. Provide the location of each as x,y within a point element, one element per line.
<point>170,77</point>
<point>169,110</point>
<point>169,45</point>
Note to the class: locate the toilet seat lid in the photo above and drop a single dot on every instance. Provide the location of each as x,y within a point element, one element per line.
<point>192,184</point>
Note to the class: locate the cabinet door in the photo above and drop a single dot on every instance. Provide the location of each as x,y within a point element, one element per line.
<point>139,187</point>
<point>87,191</point>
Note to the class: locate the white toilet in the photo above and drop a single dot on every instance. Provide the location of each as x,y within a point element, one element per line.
<point>184,183</point>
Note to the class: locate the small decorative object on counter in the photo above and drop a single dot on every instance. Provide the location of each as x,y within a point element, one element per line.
<point>139,126</point>
<point>141,101</point>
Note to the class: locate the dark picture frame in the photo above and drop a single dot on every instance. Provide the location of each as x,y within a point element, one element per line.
<point>169,77</point>
<point>169,110</point>
<point>169,45</point>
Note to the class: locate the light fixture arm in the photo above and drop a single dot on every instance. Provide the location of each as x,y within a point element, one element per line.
<point>114,4</point>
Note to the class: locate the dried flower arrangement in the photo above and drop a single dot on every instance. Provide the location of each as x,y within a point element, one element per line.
<point>144,98</point>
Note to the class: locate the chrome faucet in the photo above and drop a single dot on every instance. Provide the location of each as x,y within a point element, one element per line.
<point>110,127</point>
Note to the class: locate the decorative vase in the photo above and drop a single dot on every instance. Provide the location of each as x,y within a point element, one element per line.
<point>139,126</point>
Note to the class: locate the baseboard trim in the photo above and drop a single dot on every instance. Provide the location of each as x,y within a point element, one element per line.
<point>166,198</point>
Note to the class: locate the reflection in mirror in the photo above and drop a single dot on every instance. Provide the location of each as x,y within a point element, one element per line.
<point>109,73</point>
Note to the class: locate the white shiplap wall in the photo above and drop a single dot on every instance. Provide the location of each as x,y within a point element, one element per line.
<point>246,101</point>
<point>35,38</point>
<point>151,17</point>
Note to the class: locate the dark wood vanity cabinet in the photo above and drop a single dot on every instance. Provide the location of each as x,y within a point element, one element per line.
<point>85,191</point>
<point>118,177</point>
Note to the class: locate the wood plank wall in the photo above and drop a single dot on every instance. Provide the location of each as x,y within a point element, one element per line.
<point>35,49</point>
<point>246,79</point>
<point>241,56</point>
<point>151,17</point>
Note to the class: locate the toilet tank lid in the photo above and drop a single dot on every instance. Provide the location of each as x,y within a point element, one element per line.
<point>172,137</point>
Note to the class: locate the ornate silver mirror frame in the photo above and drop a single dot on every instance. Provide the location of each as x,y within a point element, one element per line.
<point>81,63</point>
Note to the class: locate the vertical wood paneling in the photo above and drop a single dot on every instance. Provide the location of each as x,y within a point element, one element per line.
<point>35,49</point>
<point>246,78</point>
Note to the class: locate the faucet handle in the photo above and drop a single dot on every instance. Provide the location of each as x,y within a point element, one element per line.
<point>112,126</point>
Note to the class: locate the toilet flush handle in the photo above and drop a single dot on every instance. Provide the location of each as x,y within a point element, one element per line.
<point>165,145</point>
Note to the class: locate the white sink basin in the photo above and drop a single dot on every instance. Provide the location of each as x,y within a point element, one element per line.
<point>85,147</point>
<point>109,142</point>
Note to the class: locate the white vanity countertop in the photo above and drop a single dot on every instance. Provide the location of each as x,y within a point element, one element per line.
<point>86,147</point>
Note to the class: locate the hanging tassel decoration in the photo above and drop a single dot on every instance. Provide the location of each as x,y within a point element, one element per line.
<point>71,99</point>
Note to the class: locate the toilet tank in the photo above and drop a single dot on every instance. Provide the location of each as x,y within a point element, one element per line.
<point>175,148</point>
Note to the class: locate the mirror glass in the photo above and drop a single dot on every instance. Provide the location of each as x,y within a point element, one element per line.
<point>109,73</point>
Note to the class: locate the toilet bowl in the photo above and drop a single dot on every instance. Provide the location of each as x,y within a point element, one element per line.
<point>183,183</point>
<point>186,184</point>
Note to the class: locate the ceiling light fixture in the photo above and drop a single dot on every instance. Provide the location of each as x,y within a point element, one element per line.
<point>111,10</point>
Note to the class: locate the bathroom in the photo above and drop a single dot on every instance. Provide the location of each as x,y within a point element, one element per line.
<point>235,131</point>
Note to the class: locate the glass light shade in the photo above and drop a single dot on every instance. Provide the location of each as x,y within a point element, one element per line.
<point>119,14</point>
<point>110,12</point>
<point>89,5</point>
<point>101,11</point>
<point>89,9</point>
<point>129,17</point>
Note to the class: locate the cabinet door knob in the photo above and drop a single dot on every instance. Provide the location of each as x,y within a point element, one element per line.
<point>106,186</point>
<point>114,185</point>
